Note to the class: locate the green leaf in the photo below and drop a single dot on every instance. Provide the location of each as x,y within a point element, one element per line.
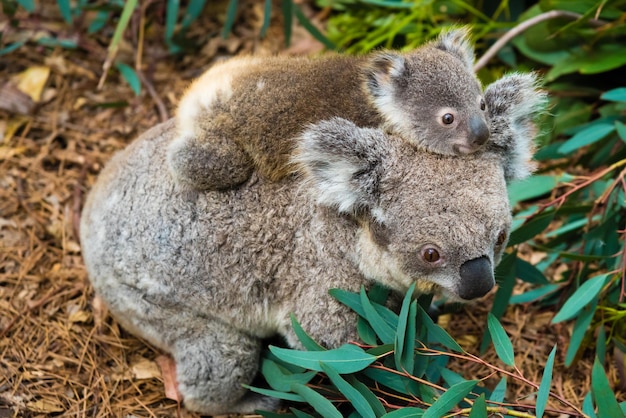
<point>231,13</point>
<point>358,401</point>
<point>365,331</point>
<point>581,297</point>
<point>281,379</point>
<point>12,47</point>
<point>407,412</point>
<point>505,272</point>
<point>405,334</point>
<point>621,130</point>
<point>307,342</point>
<point>400,384</point>
<point>531,188</point>
<point>501,341</point>
<point>267,14</point>
<point>479,409</point>
<point>98,22</point>
<point>300,414</point>
<point>580,329</point>
<point>587,136</point>
<point>29,5</point>
<point>130,76</point>
<point>602,393</point>
<point>499,391</point>
<point>384,332</point>
<point>322,405</point>
<point>529,273</point>
<point>350,299</point>
<point>534,294</point>
<point>531,228</point>
<point>544,386</point>
<point>66,10</point>
<point>601,344</point>
<point>276,394</point>
<point>588,408</point>
<point>449,399</point>
<point>306,23</point>
<point>374,402</point>
<point>287,8</point>
<point>346,359</point>
<point>127,12</point>
<point>194,9</point>
<point>436,334</point>
<point>171,16</point>
<point>615,95</point>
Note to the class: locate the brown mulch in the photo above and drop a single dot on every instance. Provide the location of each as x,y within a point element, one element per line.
<point>60,353</point>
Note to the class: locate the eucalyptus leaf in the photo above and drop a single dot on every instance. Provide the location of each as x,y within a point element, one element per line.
<point>28,5</point>
<point>405,334</point>
<point>531,188</point>
<point>588,408</point>
<point>587,136</point>
<point>581,297</point>
<point>130,76</point>
<point>449,399</point>
<point>544,387</point>
<point>276,394</point>
<point>384,332</point>
<point>499,391</point>
<point>374,402</point>
<point>581,327</point>
<point>531,228</point>
<point>436,334</point>
<point>281,379</point>
<point>346,359</point>
<point>306,340</point>
<point>358,401</point>
<point>501,341</point>
<point>479,409</point>
<point>615,95</point>
<point>603,395</point>
<point>534,294</point>
<point>408,412</point>
<point>321,405</point>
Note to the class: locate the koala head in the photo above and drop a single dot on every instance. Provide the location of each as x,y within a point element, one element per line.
<point>431,96</point>
<point>437,220</point>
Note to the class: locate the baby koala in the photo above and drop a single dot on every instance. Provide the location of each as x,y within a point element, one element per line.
<point>246,113</point>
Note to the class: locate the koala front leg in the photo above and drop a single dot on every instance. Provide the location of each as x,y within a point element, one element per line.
<point>212,366</point>
<point>208,161</point>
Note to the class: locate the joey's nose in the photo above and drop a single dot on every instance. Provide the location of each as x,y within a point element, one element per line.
<point>479,132</point>
<point>476,278</point>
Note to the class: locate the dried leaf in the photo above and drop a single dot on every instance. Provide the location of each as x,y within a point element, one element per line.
<point>168,372</point>
<point>45,406</point>
<point>145,369</point>
<point>15,100</point>
<point>32,81</point>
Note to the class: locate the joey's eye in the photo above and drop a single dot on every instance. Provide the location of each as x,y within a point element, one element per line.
<point>501,238</point>
<point>448,118</point>
<point>483,106</point>
<point>430,254</point>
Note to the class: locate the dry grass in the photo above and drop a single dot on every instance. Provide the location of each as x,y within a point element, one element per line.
<point>60,353</point>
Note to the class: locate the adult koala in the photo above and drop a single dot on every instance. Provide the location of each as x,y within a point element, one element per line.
<point>206,276</point>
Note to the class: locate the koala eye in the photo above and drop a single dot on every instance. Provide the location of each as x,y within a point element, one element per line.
<point>483,106</point>
<point>430,255</point>
<point>501,238</point>
<point>448,118</point>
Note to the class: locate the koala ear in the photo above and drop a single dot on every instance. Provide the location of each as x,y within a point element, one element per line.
<point>456,42</point>
<point>513,103</point>
<point>342,164</point>
<point>382,69</point>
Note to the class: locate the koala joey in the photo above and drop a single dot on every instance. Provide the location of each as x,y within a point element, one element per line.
<point>206,276</point>
<point>246,113</point>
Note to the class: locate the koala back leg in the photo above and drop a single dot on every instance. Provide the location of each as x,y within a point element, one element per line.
<point>208,161</point>
<point>211,367</point>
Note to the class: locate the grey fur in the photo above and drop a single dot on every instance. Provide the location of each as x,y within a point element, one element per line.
<point>206,276</point>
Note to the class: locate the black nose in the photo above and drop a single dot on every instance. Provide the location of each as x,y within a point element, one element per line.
<point>476,278</point>
<point>479,131</point>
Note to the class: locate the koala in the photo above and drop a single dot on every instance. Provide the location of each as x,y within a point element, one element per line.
<point>245,114</point>
<point>207,276</point>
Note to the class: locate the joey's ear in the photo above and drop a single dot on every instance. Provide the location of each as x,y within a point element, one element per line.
<point>513,103</point>
<point>342,164</point>
<point>456,42</point>
<point>382,69</point>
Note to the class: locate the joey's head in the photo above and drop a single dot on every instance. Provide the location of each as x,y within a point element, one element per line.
<point>431,96</point>
<point>439,221</point>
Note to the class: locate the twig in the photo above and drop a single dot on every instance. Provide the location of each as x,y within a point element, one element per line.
<point>552,14</point>
<point>155,96</point>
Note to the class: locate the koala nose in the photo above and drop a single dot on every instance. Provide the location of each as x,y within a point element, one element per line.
<point>476,278</point>
<point>479,131</point>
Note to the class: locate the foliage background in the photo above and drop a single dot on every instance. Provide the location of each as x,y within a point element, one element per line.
<point>82,79</point>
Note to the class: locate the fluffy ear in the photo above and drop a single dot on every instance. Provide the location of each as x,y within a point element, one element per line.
<point>456,42</point>
<point>382,69</point>
<point>513,102</point>
<point>342,164</point>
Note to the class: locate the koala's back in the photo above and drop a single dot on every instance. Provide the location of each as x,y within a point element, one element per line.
<point>264,103</point>
<point>182,251</point>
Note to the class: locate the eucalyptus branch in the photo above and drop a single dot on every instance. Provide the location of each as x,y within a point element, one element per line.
<point>523,26</point>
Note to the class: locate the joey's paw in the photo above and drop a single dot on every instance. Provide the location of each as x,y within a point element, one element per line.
<point>210,164</point>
